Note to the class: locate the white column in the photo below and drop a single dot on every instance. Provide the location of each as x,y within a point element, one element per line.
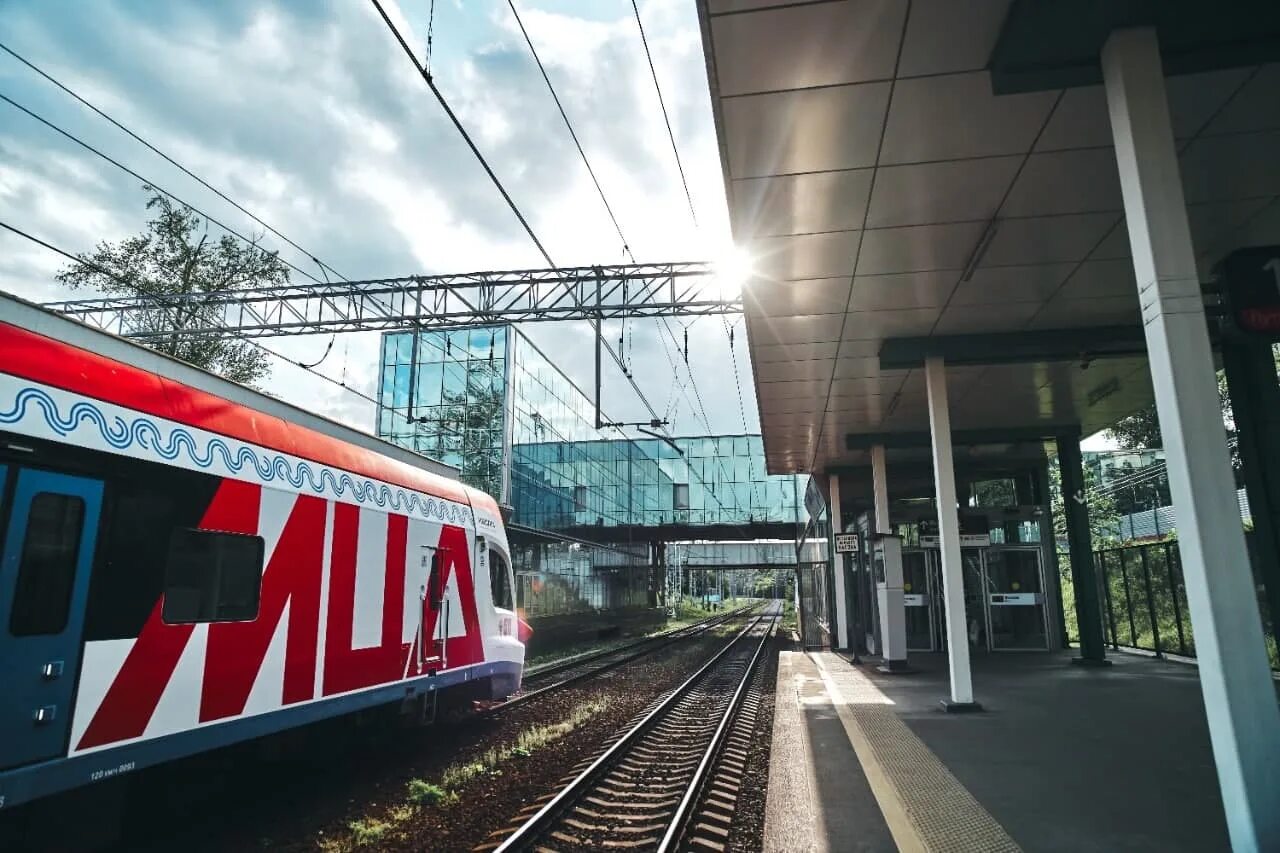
<point>880,488</point>
<point>841,616</point>
<point>1239,697</point>
<point>944,479</point>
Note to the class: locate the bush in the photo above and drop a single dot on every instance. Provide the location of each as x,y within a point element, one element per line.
<point>425,793</point>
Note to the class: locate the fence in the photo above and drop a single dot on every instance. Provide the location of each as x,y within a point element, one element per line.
<point>540,595</point>
<point>1145,601</point>
<point>815,599</point>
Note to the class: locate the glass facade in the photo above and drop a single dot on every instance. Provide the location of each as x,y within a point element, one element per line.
<point>446,398</point>
<point>488,401</point>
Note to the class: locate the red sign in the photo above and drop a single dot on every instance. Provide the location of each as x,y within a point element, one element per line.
<point>1251,280</point>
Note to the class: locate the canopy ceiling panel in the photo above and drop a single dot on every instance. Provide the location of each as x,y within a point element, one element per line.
<point>886,190</point>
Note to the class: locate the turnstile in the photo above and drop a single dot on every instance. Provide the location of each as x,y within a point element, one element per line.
<point>917,601</point>
<point>1003,595</point>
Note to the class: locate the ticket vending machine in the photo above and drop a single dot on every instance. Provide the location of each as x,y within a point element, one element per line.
<point>886,562</point>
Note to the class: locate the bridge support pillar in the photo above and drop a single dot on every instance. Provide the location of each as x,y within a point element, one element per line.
<point>1239,695</point>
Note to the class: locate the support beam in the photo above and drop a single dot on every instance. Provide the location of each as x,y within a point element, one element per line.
<point>1239,696</point>
<point>837,563</point>
<point>1014,347</point>
<point>944,477</point>
<point>880,488</point>
<point>959,438</point>
<point>455,301</point>
<point>1084,578</point>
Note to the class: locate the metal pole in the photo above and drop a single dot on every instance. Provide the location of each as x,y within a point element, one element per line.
<point>1173,593</point>
<point>1106,591</point>
<point>1128,600</point>
<point>1151,603</point>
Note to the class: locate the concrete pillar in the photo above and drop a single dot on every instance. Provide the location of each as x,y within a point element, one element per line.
<point>944,479</point>
<point>1239,696</point>
<point>841,617</point>
<point>880,488</point>
<point>1084,577</point>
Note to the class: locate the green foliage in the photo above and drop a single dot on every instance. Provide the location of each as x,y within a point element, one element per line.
<point>425,793</point>
<point>177,257</point>
<point>1104,517</point>
<point>368,831</point>
<point>1142,429</point>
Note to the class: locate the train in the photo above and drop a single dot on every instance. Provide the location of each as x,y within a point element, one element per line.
<point>187,563</point>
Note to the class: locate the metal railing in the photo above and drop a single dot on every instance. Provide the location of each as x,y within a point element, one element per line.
<point>1145,601</point>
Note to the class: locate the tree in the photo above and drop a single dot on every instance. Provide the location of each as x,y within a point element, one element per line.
<point>1142,429</point>
<point>175,256</point>
<point>1104,518</point>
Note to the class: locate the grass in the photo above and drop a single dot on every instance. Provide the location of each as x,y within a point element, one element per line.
<point>368,831</point>
<point>420,793</point>
<point>423,793</point>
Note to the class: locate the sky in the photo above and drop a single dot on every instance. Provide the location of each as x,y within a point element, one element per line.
<point>308,114</point>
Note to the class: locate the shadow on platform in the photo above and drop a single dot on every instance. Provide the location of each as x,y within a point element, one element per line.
<point>1063,758</point>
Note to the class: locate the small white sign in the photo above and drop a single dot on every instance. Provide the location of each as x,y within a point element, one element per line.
<point>846,543</point>
<point>967,540</point>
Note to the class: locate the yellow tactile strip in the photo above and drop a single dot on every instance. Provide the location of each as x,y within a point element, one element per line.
<point>925,805</point>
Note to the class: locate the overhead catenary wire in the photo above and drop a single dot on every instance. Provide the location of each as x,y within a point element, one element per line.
<point>153,185</point>
<point>427,77</point>
<point>665,117</point>
<point>324,267</point>
<point>127,283</point>
<point>166,157</point>
<point>675,150</point>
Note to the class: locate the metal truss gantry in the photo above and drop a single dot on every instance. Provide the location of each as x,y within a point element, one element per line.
<point>427,302</point>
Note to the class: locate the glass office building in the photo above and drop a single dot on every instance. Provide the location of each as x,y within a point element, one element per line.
<point>488,401</point>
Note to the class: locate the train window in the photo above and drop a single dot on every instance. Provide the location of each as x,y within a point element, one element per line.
<point>42,594</point>
<point>211,576</point>
<point>499,581</point>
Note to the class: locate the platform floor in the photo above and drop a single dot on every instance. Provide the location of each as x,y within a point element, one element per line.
<point>1062,758</point>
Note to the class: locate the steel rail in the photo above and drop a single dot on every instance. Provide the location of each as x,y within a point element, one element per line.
<point>662,641</point>
<point>524,835</point>
<point>676,830</point>
<point>587,657</point>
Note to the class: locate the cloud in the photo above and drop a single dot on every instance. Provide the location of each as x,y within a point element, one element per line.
<point>310,115</point>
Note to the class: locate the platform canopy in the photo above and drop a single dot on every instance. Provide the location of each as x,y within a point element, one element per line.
<point>944,168</point>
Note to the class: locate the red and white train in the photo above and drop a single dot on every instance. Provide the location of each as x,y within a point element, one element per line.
<point>186,563</point>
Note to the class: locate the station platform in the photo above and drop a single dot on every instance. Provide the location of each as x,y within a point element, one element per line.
<point>1061,758</point>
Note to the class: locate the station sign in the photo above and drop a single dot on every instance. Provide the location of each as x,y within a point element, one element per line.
<point>846,543</point>
<point>1251,279</point>
<point>813,501</point>
<point>975,532</point>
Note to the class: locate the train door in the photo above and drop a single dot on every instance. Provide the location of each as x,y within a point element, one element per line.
<point>50,533</point>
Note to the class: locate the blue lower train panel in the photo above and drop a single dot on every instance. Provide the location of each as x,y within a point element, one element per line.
<point>22,784</point>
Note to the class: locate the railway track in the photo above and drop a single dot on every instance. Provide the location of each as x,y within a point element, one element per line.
<point>557,676</point>
<point>671,780</point>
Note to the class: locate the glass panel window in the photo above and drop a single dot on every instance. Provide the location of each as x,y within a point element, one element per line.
<point>681,492</point>
<point>499,581</point>
<point>211,576</point>
<point>47,570</point>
